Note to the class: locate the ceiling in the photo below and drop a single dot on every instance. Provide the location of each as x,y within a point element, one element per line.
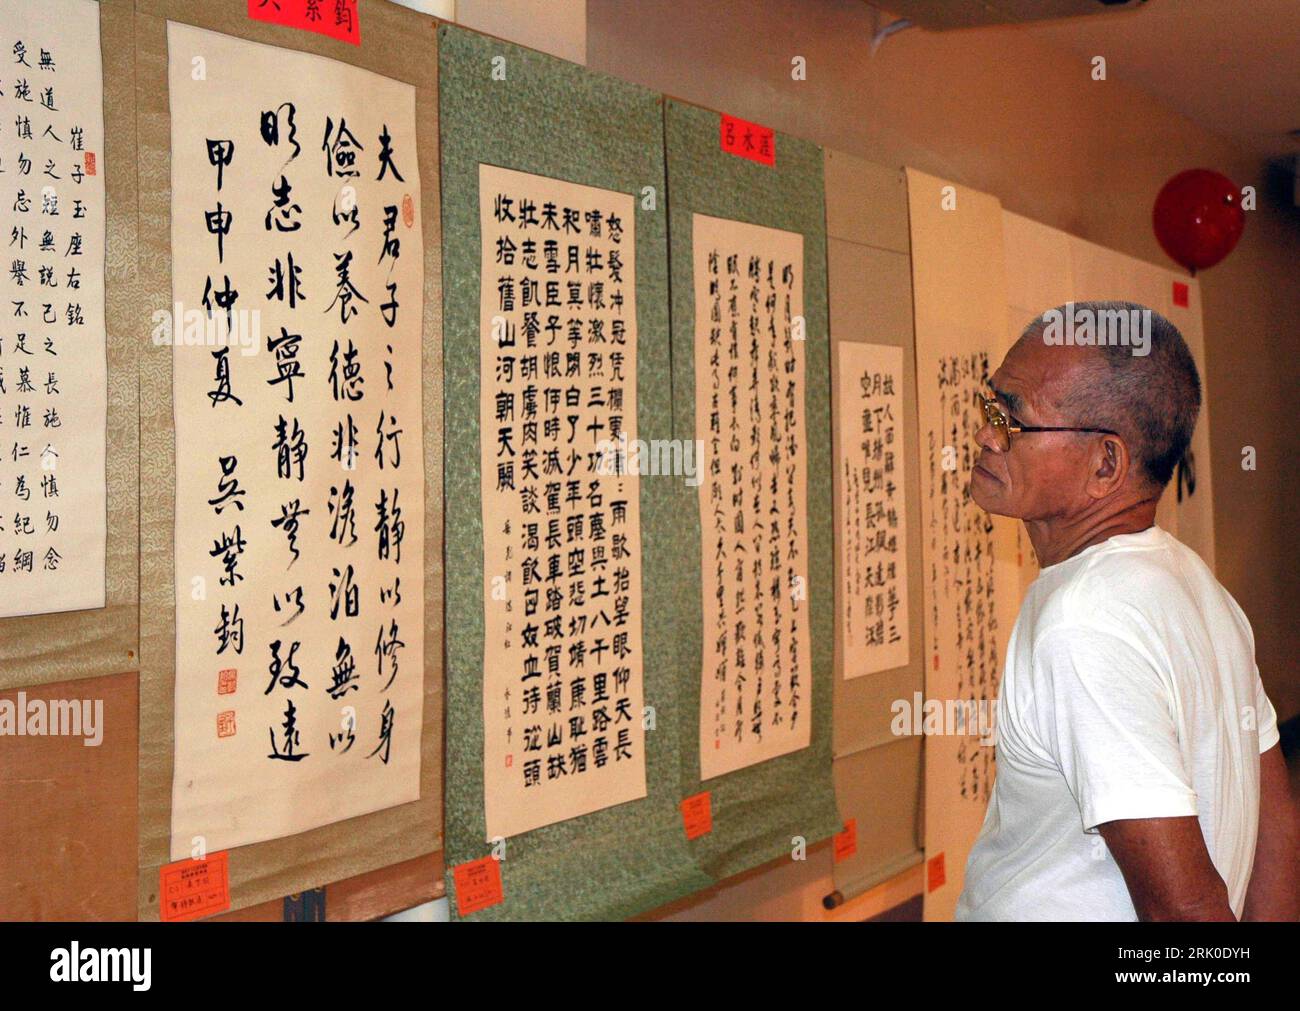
<point>1233,66</point>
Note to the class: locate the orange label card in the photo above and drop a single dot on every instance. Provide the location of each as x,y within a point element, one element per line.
<point>846,842</point>
<point>934,873</point>
<point>748,140</point>
<point>192,889</point>
<point>339,19</point>
<point>697,815</point>
<point>478,885</point>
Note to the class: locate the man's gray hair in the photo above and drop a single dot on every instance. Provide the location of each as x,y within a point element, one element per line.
<point>1151,399</point>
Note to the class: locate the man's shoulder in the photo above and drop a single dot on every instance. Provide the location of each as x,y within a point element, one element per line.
<point>1149,590</point>
<point>1127,574</point>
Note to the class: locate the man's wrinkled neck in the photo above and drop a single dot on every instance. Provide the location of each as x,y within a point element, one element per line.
<point>1062,537</point>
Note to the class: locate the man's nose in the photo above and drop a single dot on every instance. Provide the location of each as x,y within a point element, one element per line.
<point>987,438</point>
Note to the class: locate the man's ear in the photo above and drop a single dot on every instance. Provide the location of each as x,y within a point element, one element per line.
<point>1109,465</point>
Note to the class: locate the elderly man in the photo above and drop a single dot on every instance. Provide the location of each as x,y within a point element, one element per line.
<point>1139,772</point>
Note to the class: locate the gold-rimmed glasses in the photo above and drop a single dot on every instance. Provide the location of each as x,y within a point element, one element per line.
<point>1003,427</point>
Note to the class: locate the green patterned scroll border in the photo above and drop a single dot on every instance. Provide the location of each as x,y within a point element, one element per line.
<point>759,812</point>
<point>556,119</point>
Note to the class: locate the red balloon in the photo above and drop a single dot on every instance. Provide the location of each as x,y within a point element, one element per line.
<point>1198,218</point>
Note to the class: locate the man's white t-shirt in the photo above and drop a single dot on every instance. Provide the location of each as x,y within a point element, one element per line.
<point>1130,691</point>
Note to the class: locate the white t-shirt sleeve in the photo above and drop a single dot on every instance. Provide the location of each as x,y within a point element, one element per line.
<point>1265,717</point>
<point>1265,714</point>
<point>1104,713</point>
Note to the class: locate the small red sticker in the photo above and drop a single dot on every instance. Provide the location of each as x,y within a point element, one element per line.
<point>697,815</point>
<point>478,885</point>
<point>90,163</point>
<point>1180,294</point>
<point>227,681</point>
<point>191,889</point>
<point>846,842</point>
<point>748,140</point>
<point>935,876</point>
<point>339,19</point>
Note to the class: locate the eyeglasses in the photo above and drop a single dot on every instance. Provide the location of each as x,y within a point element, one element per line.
<point>1003,429</point>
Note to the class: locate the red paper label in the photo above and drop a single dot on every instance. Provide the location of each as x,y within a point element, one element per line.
<point>846,842</point>
<point>478,885</point>
<point>935,876</point>
<point>697,815</point>
<point>339,19</point>
<point>748,140</point>
<point>191,889</point>
<point>1180,294</point>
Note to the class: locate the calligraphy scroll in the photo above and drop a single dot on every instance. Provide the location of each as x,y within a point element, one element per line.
<point>53,360</point>
<point>559,121</point>
<point>562,660</point>
<point>749,412</point>
<point>873,599</point>
<point>970,573</point>
<point>296,330</point>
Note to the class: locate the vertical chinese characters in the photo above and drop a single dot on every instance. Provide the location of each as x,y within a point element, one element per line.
<point>963,616</point>
<point>872,525</point>
<point>298,265</point>
<point>562,662</point>
<point>53,368</point>
<point>756,685</point>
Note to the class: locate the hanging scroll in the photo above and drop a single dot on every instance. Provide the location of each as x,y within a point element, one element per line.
<point>970,571</point>
<point>562,664</point>
<point>749,412</point>
<point>53,363</point>
<point>873,525</point>
<point>297,275</point>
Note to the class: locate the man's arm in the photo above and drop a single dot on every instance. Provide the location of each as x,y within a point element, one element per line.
<point>1274,892</point>
<point>1167,869</point>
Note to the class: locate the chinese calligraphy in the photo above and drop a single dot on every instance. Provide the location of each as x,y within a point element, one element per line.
<point>872,520</point>
<point>749,411</point>
<point>299,455</point>
<point>963,626</point>
<point>53,366</point>
<point>562,664</point>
